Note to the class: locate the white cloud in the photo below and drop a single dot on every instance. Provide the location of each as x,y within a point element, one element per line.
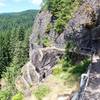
<point>2,4</point>
<point>36,2</point>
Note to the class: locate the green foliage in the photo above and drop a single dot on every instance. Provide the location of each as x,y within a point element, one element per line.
<point>73,73</point>
<point>62,10</point>
<point>45,41</point>
<point>9,76</point>
<point>9,21</point>
<point>81,67</point>
<point>4,51</point>
<point>49,26</point>
<point>68,56</point>
<point>18,96</point>
<point>21,34</point>
<point>14,35</point>
<point>59,25</point>
<point>41,92</point>
<point>5,94</point>
<point>57,70</point>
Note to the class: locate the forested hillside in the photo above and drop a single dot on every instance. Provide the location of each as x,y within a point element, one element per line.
<point>14,33</point>
<point>15,29</point>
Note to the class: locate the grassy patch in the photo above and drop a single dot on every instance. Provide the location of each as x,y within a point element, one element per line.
<point>41,91</point>
<point>57,70</point>
<point>80,68</point>
<point>73,73</point>
<point>18,96</point>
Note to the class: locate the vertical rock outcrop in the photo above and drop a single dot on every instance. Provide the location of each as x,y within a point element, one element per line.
<point>84,27</point>
<point>39,33</point>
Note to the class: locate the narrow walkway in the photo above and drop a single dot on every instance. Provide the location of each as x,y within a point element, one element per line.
<point>93,89</point>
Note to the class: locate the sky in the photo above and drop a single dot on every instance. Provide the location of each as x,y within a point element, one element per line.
<point>18,5</point>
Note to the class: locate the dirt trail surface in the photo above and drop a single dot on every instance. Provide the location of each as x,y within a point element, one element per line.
<point>93,89</point>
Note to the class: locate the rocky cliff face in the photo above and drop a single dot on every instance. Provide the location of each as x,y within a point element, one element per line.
<point>42,58</point>
<point>85,26</point>
<point>39,32</point>
<point>39,67</point>
<point>84,29</point>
